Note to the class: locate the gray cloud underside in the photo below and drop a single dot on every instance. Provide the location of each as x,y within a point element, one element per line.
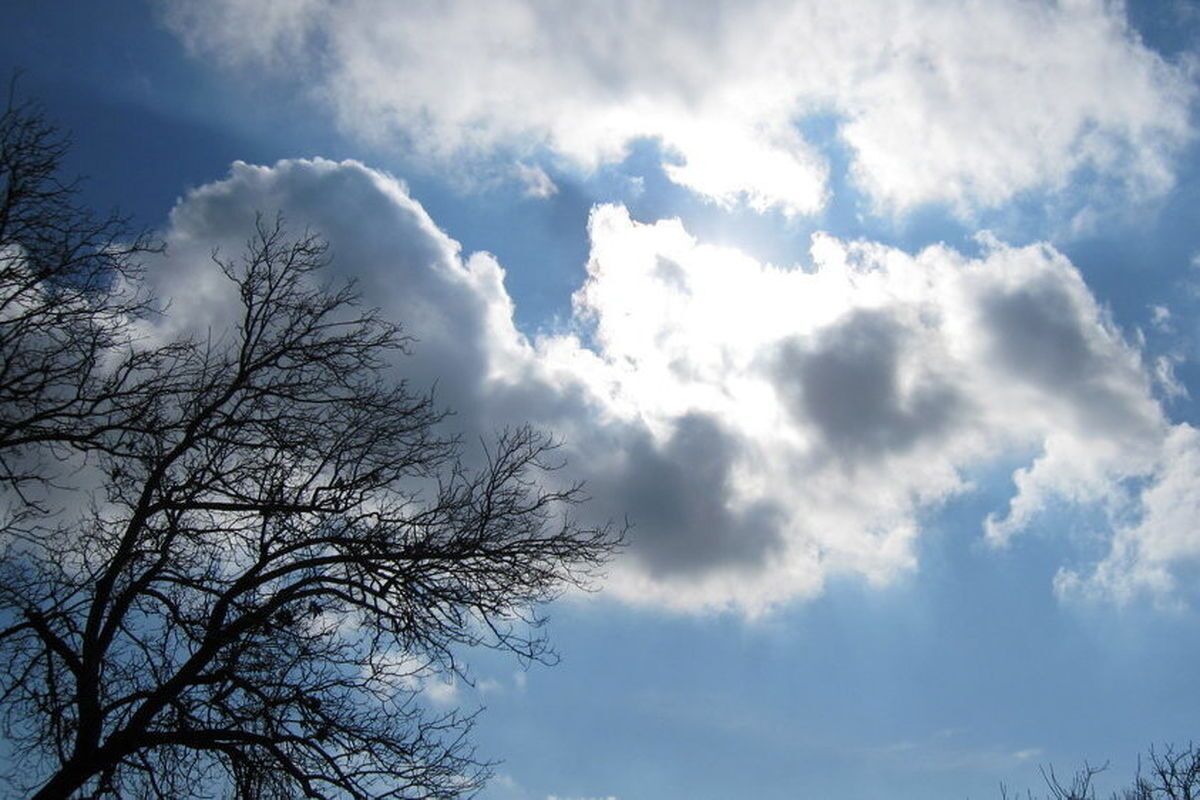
<point>847,384</point>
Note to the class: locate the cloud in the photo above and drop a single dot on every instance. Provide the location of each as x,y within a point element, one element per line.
<point>847,383</point>
<point>535,180</point>
<point>441,691</point>
<point>968,105</point>
<point>676,492</point>
<point>1164,374</point>
<point>1160,318</point>
<point>1152,554</point>
<point>860,391</point>
<point>763,427</point>
<point>456,308</point>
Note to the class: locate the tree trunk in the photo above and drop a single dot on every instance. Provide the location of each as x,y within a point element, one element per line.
<point>64,783</point>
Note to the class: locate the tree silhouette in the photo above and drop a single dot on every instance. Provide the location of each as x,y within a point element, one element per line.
<point>1169,773</point>
<point>68,289</point>
<point>283,542</point>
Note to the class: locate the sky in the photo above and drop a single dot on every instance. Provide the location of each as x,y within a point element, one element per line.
<point>878,321</point>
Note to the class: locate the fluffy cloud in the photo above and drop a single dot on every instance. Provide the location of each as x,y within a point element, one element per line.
<point>762,427</point>
<point>851,396</point>
<point>966,104</point>
<point>1152,553</point>
<point>456,308</point>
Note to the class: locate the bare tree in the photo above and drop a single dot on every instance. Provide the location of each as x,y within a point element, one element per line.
<point>285,542</point>
<point>67,293</point>
<point>1079,787</point>
<point>1173,774</point>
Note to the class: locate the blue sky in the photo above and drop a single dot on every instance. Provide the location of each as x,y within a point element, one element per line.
<point>914,507</point>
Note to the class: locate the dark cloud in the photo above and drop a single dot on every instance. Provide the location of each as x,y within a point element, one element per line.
<point>1041,334</point>
<point>676,495</point>
<point>1037,332</point>
<point>847,383</point>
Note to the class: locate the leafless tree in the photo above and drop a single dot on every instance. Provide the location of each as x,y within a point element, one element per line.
<point>284,543</point>
<point>67,291</point>
<point>1173,774</point>
<point>1079,787</point>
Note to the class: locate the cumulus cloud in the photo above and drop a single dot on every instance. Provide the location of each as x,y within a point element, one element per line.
<point>967,104</point>
<point>763,427</point>
<point>456,308</point>
<point>861,389</point>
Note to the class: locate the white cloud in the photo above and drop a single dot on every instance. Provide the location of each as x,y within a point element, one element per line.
<point>816,414</point>
<point>1164,374</point>
<point>967,104</point>
<point>1150,555</point>
<point>535,180</point>
<point>440,691</point>
<point>763,427</point>
<point>1160,318</point>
